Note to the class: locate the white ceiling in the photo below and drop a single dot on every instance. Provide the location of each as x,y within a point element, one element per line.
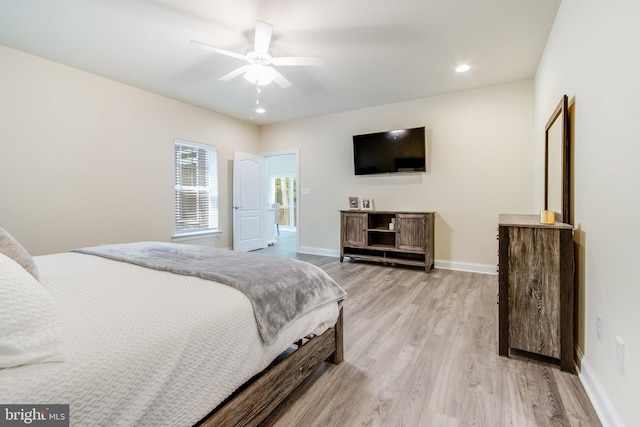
<point>376,51</point>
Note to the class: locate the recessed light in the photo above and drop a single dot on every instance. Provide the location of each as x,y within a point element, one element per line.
<point>260,110</point>
<point>462,68</point>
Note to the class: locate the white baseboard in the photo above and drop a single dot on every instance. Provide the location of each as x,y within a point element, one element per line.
<point>319,251</point>
<point>447,265</point>
<point>466,266</point>
<point>599,399</point>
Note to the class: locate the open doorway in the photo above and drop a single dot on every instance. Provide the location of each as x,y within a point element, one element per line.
<point>282,196</point>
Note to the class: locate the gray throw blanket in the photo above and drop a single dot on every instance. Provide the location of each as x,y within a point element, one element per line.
<point>280,289</point>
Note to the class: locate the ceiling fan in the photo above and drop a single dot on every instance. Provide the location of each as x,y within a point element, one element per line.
<point>260,70</point>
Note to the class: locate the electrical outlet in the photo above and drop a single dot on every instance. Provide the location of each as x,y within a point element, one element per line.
<point>620,354</point>
<point>599,327</point>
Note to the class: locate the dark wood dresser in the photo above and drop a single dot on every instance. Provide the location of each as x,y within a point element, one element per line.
<point>536,291</point>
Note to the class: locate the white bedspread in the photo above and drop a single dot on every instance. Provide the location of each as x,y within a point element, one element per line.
<point>145,347</point>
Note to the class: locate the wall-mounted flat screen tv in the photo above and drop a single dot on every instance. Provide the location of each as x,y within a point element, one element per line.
<point>395,151</point>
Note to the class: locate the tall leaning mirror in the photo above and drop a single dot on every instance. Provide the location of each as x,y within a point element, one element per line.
<point>556,162</point>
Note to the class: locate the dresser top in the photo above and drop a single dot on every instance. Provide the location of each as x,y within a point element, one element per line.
<point>528,221</point>
<point>373,211</point>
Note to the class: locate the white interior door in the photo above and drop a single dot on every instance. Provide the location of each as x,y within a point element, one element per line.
<point>249,202</point>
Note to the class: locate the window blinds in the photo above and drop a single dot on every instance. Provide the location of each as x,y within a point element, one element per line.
<point>196,189</point>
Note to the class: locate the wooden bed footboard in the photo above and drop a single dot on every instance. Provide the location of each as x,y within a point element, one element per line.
<point>257,400</point>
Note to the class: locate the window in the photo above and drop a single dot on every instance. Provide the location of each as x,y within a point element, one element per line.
<point>283,192</point>
<point>196,189</point>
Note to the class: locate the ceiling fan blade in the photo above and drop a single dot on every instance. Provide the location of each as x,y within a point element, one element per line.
<point>217,50</point>
<point>263,37</point>
<point>298,60</point>
<point>280,80</point>
<point>235,73</point>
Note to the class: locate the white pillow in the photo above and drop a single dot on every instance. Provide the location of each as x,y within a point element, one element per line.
<point>14,250</point>
<point>29,320</point>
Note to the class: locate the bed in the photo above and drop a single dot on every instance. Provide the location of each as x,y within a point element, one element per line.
<point>124,344</point>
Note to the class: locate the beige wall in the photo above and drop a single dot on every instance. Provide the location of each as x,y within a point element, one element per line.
<point>85,160</point>
<point>92,159</point>
<point>480,164</point>
<point>592,55</point>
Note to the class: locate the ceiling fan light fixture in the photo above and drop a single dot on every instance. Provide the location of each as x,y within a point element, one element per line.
<point>259,70</point>
<point>260,74</point>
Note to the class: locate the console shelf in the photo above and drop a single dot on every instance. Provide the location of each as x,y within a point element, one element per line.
<point>368,235</point>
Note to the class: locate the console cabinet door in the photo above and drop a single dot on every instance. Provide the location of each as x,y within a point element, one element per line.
<point>354,229</point>
<point>411,232</point>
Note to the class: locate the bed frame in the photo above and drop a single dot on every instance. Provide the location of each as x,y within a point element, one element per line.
<point>257,400</point>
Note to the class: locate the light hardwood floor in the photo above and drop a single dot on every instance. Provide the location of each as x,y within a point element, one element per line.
<point>421,350</point>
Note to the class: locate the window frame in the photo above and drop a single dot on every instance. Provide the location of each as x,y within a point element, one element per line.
<point>213,193</point>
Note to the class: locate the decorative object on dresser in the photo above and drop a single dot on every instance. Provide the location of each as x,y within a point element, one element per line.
<point>367,204</point>
<point>404,238</point>
<point>535,276</point>
<point>354,202</point>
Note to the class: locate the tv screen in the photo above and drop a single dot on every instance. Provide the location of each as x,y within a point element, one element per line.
<point>394,151</point>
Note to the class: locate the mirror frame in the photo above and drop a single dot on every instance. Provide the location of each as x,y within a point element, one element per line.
<point>560,113</point>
